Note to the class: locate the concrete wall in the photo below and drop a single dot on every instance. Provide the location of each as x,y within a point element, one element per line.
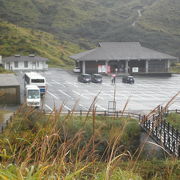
<point>10,95</point>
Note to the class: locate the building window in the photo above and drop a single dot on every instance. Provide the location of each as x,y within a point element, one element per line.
<point>16,64</point>
<point>26,64</point>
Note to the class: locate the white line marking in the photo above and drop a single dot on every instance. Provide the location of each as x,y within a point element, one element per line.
<point>76,93</point>
<point>67,107</point>
<point>100,106</point>
<point>52,95</point>
<point>73,84</point>
<point>48,107</point>
<point>65,94</point>
<point>59,83</point>
<point>80,95</point>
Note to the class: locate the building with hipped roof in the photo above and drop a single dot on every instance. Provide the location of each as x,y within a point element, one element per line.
<point>123,57</point>
<point>31,62</point>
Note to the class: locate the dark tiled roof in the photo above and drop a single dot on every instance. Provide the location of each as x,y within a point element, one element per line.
<point>7,80</point>
<point>120,51</point>
<point>24,58</point>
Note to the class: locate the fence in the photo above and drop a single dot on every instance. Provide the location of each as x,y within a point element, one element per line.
<point>5,123</point>
<point>162,132</point>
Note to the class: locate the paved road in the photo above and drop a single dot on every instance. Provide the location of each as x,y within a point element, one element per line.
<point>144,95</point>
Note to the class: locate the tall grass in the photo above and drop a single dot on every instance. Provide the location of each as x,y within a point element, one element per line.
<point>57,146</point>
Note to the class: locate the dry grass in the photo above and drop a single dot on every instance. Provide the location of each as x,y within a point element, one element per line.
<point>61,146</point>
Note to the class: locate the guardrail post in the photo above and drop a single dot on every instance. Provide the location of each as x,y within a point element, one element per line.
<point>173,146</point>
<point>172,133</point>
<point>117,114</point>
<point>164,129</point>
<point>168,134</point>
<point>80,112</point>
<point>149,124</point>
<point>152,128</point>
<point>177,142</point>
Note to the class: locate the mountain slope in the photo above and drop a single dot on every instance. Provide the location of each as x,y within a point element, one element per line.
<point>155,23</point>
<point>14,39</point>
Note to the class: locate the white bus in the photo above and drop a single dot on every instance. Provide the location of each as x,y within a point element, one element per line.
<point>33,98</point>
<point>33,78</point>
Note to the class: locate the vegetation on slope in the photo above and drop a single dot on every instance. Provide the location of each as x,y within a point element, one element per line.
<point>174,120</point>
<point>88,21</point>
<point>18,40</point>
<point>161,22</point>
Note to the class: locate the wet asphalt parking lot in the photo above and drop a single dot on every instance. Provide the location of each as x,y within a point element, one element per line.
<point>144,95</point>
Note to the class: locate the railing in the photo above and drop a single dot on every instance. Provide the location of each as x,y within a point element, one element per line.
<point>5,124</point>
<point>162,132</point>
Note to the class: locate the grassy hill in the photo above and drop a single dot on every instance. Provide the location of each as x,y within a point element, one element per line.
<point>18,40</point>
<point>85,22</point>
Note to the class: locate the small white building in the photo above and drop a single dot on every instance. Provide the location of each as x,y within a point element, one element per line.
<point>31,62</point>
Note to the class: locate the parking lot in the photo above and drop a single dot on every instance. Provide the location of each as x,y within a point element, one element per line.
<point>144,95</point>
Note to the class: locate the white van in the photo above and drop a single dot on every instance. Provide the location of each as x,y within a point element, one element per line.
<point>33,97</point>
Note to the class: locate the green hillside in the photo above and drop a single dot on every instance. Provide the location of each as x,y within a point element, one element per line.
<point>18,40</point>
<point>85,22</point>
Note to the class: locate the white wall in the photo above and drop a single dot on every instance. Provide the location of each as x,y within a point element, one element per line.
<point>31,66</point>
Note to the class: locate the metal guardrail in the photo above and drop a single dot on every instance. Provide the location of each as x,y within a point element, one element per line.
<point>162,132</point>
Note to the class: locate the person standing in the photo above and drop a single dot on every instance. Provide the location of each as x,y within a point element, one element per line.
<point>113,79</point>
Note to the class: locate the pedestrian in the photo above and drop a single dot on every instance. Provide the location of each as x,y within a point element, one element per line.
<point>113,78</point>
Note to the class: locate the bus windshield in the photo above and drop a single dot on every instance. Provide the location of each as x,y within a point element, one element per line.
<point>33,94</point>
<point>37,80</point>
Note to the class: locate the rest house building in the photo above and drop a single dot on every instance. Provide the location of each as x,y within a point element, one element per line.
<point>125,58</point>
